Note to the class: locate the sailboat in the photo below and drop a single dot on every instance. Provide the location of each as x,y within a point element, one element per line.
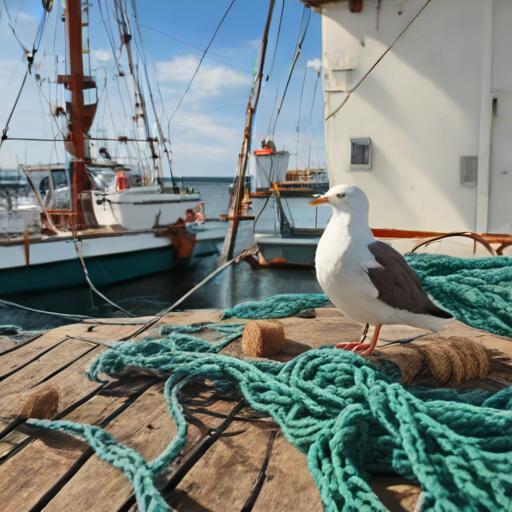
<point>107,214</point>
<point>286,229</point>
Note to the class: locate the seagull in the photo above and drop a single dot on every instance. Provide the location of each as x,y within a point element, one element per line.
<point>366,279</point>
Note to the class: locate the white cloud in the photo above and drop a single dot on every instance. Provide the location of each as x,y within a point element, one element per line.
<point>204,126</point>
<point>315,64</point>
<point>255,43</point>
<point>102,55</point>
<point>209,81</point>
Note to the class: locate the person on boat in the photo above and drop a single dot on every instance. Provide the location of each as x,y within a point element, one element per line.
<point>121,180</point>
<point>200,216</point>
<point>191,216</point>
<point>271,145</point>
<point>268,144</point>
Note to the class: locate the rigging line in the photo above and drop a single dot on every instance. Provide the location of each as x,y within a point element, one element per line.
<point>313,102</point>
<point>109,17</point>
<point>8,303</point>
<point>160,315</point>
<point>125,111</point>
<point>8,13</point>
<point>273,109</point>
<point>110,35</point>
<point>6,129</point>
<point>168,150</point>
<point>49,106</point>
<point>93,288</point>
<point>298,122</point>
<point>55,29</point>
<point>209,54</point>
<point>199,65</point>
<point>363,78</point>
<point>298,51</point>
<point>42,108</point>
<point>143,55</point>
<point>311,118</point>
<point>21,7</point>
<point>135,126</point>
<point>277,42</point>
<point>311,143</point>
<point>40,32</point>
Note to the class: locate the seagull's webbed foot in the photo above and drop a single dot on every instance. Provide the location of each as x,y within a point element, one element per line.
<point>348,346</point>
<point>353,346</point>
<point>362,348</point>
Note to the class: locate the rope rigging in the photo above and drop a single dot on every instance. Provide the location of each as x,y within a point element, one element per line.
<point>199,65</point>
<point>277,42</point>
<point>209,54</point>
<point>298,51</point>
<point>298,120</point>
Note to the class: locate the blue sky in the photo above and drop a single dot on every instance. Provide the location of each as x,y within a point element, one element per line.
<point>206,131</point>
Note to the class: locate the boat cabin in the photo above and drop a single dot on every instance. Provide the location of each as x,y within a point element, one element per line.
<point>418,110</point>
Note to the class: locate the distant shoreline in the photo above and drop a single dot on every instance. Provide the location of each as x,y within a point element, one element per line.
<point>186,179</point>
<point>205,179</point>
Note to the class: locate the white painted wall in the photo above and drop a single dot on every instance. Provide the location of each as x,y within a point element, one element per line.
<point>421,106</point>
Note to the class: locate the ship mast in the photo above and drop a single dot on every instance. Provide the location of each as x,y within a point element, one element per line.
<point>235,206</point>
<point>77,111</point>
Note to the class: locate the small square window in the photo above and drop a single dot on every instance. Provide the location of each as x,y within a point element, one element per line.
<point>360,154</point>
<point>468,171</point>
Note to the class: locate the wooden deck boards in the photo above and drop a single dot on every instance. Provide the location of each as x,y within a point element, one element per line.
<point>248,467</point>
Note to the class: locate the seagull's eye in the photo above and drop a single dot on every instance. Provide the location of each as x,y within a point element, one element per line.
<point>341,196</point>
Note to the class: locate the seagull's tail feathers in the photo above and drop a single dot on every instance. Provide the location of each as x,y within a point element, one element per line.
<point>438,312</point>
<point>428,320</point>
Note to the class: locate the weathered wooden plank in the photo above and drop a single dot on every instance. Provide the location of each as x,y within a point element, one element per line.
<point>71,384</point>
<point>226,475</point>
<point>17,359</point>
<point>147,427</point>
<point>70,359</point>
<point>288,483</point>
<point>26,477</point>
<point>6,344</point>
<point>14,360</point>
<point>14,387</point>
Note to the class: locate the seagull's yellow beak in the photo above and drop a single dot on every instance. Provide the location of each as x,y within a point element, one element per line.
<point>319,200</point>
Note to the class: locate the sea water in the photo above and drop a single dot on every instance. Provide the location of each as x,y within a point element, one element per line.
<point>150,294</point>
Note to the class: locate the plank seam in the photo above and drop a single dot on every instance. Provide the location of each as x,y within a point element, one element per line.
<point>38,356</point>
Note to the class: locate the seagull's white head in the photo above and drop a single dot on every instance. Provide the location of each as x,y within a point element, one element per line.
<point>345,198</point>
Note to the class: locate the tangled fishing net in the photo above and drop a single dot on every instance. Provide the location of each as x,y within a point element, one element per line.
<point>477,291</point>
<point>349,417</point>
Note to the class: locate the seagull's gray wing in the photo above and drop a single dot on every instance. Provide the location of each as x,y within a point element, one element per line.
<point>397,283</point>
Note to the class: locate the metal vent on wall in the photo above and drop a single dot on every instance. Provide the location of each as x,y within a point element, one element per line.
<point>360,154</point>
<point>468,170</point>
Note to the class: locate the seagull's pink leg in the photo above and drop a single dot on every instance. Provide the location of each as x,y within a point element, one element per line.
<point>350,346</point>
<point>367,349</point>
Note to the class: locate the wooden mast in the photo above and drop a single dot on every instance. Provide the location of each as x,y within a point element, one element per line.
<point>79,177</point>
<point>235,206</point>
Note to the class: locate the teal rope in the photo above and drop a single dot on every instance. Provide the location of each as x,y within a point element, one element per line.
<point>351,419</point>
<point>279,306</point>
<point>477,291</point>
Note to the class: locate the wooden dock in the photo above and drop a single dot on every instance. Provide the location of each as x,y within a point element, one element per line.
<point>235,459</point>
